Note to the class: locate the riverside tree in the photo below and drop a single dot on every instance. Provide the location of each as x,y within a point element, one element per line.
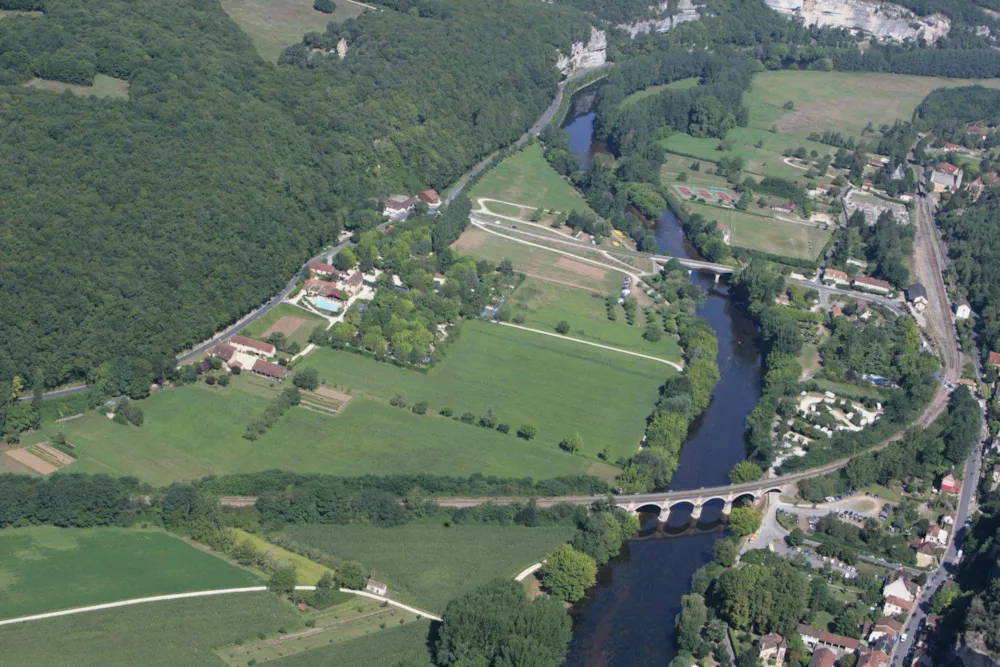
<point>568,574</point>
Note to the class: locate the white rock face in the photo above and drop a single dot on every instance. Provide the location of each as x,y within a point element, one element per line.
<point>881,19</point>
<point>686,11</point>
<point>585,56</point>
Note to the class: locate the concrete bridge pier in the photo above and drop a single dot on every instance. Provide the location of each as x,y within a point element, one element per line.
<point>695,514</point>
<point>664,514</point>
<point>727,508</point>
<point>717,278</point>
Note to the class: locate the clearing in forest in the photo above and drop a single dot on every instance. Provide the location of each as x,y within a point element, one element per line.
<point>104,86</point>
<point>526,178</point>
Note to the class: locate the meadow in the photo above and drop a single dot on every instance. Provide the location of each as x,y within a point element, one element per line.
<point>104,87</point>
<point>193,431</point>
<point>45,568</point>
<point>308,572</point>
<point>257,328</point>
<point>175,633</point>
<point>526,178</point>
<point>275,24</point>
<point>559,386</point>
<point>765,233</point>
<point>429,564</point>
<point>405,644</point>
<point>681,84</point>
<point>545,304</point>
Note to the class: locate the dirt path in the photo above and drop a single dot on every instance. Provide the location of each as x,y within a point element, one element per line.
<point>676,365</point>
<point>564,283</point>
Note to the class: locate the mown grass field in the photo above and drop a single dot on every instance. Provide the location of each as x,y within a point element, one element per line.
<point>526,178</point>
<point>559,386</point>
<point>275,24</point>
<point>193,431</point>
<point>309,572</point>
<point>257,328</point>
<point>45,568</point>
<point>544,304</point>
<point>385,648</point>
<point>681,84</point>
<point>761,232</point>
<point>176,633</point>
<point>429,564</point>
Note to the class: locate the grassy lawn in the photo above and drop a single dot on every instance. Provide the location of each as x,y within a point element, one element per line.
<point>176,633</point>
<point>559,386</point>
<point>760,232</point>
<point>526,178</point>
<point>275,24</point>
<point>104,86</point>
<point>406,644</point>
<point>765,161</point>
<point>848,388</point>
<point>822,620</point>
<point>440,563</point>
<point>257,328</point>
<point>309,572</point>
<point>883,492</point>
<point>809,358</point>
<point>193,431</point>
<point>44,568</point>
<point>544,304</point>
<point>540,262</point>
<point>681,84</point>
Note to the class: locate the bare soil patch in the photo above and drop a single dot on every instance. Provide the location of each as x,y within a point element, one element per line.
<point>470,240</point>
<point>35,463</point>
<point>288,324</point>
<point>583,269</point>
<point>334,394</point>
<point>61,458</point>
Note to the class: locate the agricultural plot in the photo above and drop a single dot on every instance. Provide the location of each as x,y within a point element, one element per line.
<point>325,401</point>
<point>393,646</point>
<point>296,323</point>
<point>175,633</point>
<point>527,179</point>
<point>766,233</point>
<point>440,562</point>
<point>41,458</point>
<point>45,568</point>
<point>275,24</point>
<point>523,377</point>
<point>545,304</point>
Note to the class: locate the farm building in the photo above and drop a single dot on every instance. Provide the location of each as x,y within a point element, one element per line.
<point>224,351</point>
<point>868,284</point>
<point>251,346</point>
<point>269,370</point>
<point>376,587</point>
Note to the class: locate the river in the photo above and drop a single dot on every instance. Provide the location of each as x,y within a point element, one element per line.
<point>628,618</point>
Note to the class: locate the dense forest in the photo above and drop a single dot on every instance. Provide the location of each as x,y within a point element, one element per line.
<point>136,228</point>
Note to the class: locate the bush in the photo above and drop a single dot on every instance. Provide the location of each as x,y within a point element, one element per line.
<point>503,428</point>
<point>209,380</point>
<point>224,380</point>
<point>572,443</point>
<point>325,6</point>
<point>398,401</point>
<point>446,412</point>
<point>562,327</point>
<point>527,431</point>
<point>420,408</point>
<point>468,418</point>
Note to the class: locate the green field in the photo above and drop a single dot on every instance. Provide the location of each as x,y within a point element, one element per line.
<point>559,386</point>
<point>309,572</point>
<point>257,328</point>
<point>45,568</point>
<point>681,84</point>
<point>849,388</point>
<point>760,232</point>
<point>193,431</point>
<point>765,161</point>
<point>175,633</point>
<point>429,564</point>
<point>526,178</point>
<point>386,648</point>
<point>275,24</point>
<point>544,304</point>
<point>104,86</point>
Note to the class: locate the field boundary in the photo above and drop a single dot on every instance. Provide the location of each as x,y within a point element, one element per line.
<point>676,365</point>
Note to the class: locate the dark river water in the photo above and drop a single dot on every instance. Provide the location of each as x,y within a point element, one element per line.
<point>627,620</point>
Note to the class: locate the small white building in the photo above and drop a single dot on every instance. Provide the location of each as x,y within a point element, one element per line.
<point>938,535</point>
<point>901,587</point>
<point>963,310</point>
<point>376,587</point>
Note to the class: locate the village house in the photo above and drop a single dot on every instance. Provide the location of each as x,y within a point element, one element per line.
<point>979,131</point>
<point>251,346</point>
<point>885,627</point>
<point>823,658</point>
<point>938,535</point>
<point>951,148</point>
<point>224,351</point>
<point>926,553</point>
<point>269,370</point>
<point>993,359</point>
<point>322,288</point>
<point>376,587</point>
<point>950,484</point>
<point>431,198</point>
<point>868,284</point>
<point>895,606</point>
<point>946,176</point>
<point>916,296</point>
<point>399,205</point>
<point>963,310</point>
<point>351,284</point>
<point>814,638</point>
<point>319,268</point>
<point>872,658</point>
<point>836,311</point>
<point>835,277</point>
<point>901,586</point>
<point>772,649</point>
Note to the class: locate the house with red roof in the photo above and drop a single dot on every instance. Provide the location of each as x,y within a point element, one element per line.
<point>869,284</point>
<point>251,346</point>
<point>269,370</point>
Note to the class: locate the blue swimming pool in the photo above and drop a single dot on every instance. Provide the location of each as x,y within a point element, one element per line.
<point>329,305</point>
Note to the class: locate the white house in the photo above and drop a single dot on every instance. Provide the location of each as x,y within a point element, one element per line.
<point>938,535</point>
<point>902,587</point>
<point>376,587</point>
<point>963,310</point>
<point>895,606</point>
<point>250,346</point>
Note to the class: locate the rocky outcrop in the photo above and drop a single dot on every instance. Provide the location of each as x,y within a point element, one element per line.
<point>972,653</point>
<point>585,56</point>
<point>669,18</point>
<point>880,19</point>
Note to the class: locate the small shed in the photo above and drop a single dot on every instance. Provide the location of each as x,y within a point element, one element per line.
<point>376,587</point>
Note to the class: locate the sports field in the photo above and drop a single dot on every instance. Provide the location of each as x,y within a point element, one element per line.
<point>440,562</point>
<point>526,178</point>
<point>296,323</point>
<point>760,232</point>
<point>545,304</point>
<point>45,568</point>
<point>275,24</point>
<point>559,386</point>
<point>193,431</point>
<point>176,633</point>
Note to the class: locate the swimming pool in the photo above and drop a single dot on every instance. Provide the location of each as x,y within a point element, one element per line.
<point>329,305</point>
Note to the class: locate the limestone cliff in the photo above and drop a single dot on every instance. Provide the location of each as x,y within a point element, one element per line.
<point>585,56</point>
<point>880,19</point>
<point>670,17</point>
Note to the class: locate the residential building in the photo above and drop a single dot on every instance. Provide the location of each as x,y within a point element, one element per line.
<point>946,176</point>
<point>809,635</point>
<point>835,277</point>
<point>895,606</point>
<point>963,310</point>
<point>322,269</point>
<point>948,168</point>
<point>868,284</point>
<point>975,188</point>
<point>938,535</point>
<point>926,553</point>
<point>399,205</point>
<point>269,370</point>
<point>351,284</point>
<point>772,649</point>
<point>874,658</point>
<point>823,657</point>
<point>315,287</point>
<point>950,484</point>
<point>885,627</point>
<point>431,197</point>
<point>979,130</point>
<point>916,295</point>
<point>814,638</point>
<point>836,311</point>
<point>224,351</point>
<point>901,586</point>
<point>250,346</point>
<point>996,473</point>
<point>376,587</point>
<point>994,359</point>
